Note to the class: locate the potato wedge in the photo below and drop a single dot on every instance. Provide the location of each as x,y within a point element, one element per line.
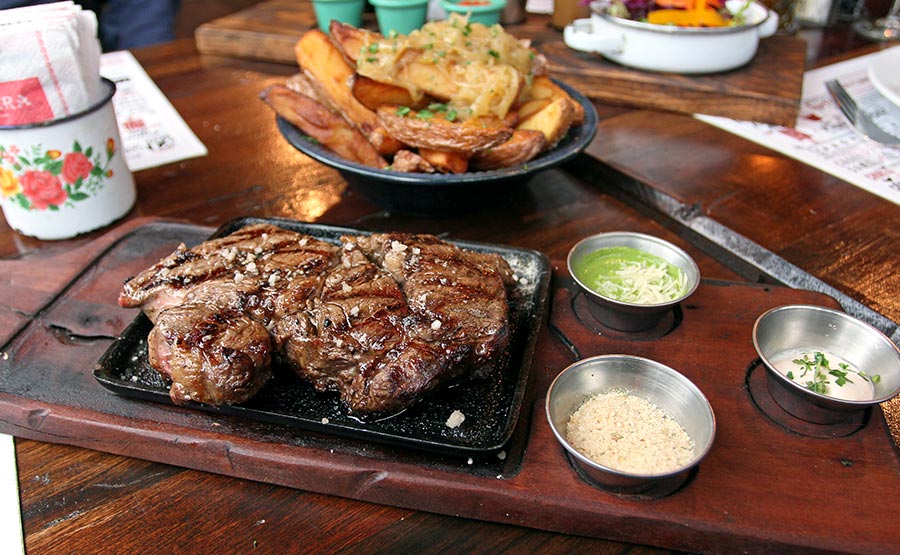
<point>323,125</point>
<point>372,94</point>
<point>445,161</point>
<point>301,83</point>
<point>524,145</point>
<point>553,121</point>
<point>408,161</point>
<point>531,107</point>
<point>542,87</point>
<point>326,67</point>
<point>437,133</point>
<point>351,40</point>
<point>429,77</point>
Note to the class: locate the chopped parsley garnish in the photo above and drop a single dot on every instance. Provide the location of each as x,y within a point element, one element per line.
<point>438,107</point>
<point>821,371</point>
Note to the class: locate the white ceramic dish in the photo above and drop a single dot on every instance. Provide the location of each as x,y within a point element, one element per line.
<point>667,48</point>
<point>884,73</point>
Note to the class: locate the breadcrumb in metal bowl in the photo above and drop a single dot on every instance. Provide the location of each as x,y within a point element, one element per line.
<point>662,429</point>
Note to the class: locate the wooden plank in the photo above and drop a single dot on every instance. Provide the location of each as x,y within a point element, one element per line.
<point>266,31</point>
<point>765,90</point>
<point>746,496</point>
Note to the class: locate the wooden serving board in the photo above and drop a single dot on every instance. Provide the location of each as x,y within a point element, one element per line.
<point>766,90</point>
<point>768,485</point>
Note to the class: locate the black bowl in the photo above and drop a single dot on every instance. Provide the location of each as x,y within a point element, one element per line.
<point>435,194</point>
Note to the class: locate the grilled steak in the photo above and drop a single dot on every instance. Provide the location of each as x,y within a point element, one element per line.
<point>458,297</point>
<point>382,319</point>
<point>212,303</point>
<point>253,257</point>
<point>212,355</point>
<point>347,335</point>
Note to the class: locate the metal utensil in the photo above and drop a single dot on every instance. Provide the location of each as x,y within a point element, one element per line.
<point>860,120</point>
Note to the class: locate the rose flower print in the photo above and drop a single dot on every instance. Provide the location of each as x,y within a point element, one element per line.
<point>43,189</point>
<point>76,166</point>
<point>39,179</point>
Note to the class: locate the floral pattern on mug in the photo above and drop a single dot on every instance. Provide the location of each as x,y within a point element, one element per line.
<point>48,179</point>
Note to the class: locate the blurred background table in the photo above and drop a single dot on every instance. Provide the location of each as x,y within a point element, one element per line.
<point>76,500</point>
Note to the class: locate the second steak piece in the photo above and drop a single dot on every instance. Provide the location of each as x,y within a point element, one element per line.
<point>457,297</point>
<point>398,316</point>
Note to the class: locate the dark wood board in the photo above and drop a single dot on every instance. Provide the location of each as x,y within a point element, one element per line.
<point>753,493</point>
<point>766,90</point>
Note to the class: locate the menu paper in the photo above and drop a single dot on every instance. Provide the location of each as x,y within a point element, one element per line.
<point>10,515</point>
<point>825,140</point>
<point>152,131</point>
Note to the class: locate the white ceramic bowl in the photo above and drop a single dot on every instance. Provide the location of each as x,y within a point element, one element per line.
<point>667,48</point>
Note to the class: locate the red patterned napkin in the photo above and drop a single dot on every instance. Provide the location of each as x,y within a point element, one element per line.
<point>49,62</point>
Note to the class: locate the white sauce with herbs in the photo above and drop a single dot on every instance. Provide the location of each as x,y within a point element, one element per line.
<point>826,373</point>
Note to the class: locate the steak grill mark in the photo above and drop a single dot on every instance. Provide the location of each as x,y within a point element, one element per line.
<point>381,319</point>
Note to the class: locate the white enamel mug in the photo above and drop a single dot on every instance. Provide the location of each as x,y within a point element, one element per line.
<point>667,48</point>
<point>67,176</point>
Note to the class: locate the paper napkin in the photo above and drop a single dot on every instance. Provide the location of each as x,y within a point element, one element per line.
<point>49,62</point>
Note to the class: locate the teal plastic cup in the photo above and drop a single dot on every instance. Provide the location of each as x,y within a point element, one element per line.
<point>400,16</point>
<point>486,12</point>
<point>345,11</point>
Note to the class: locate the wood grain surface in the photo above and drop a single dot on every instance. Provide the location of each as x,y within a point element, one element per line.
<point>766,90</point>
<point>533,484</point>
<point>83,500</point>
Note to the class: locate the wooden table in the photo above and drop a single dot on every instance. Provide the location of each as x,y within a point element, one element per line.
<point>77,500</point>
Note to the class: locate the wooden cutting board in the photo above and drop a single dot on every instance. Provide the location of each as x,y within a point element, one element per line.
<point>768,485</point>
<point>766,90</point>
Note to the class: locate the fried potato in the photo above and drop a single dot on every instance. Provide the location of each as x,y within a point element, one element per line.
<point>446,161</point>
<point>531,107</point>
<point>524,145</point>
<point>351,40</point>
<point>411,162</point>
<point>324,64</point>
<point>448,82</point>
<point>542,87</point>
<point>372,94</point>
<point>323,125</point>
<point>437,133</point>
<point>428,76</point>
<point>344,76</point>
<point>553,121</point>
<point>301,83</point>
